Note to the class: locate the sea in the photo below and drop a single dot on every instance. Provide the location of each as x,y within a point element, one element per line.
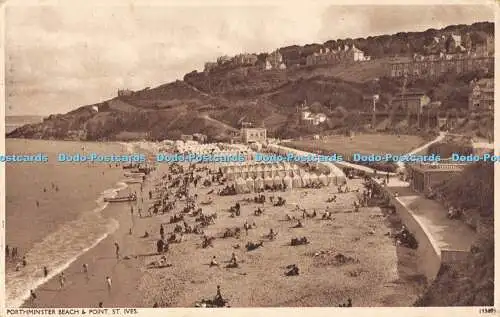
<point>54,210</point>
<point>13,122</point>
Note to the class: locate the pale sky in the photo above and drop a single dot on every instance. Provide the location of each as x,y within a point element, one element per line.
<point>59,57</point>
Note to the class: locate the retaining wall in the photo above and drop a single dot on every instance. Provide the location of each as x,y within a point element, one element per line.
<point>429,253</point>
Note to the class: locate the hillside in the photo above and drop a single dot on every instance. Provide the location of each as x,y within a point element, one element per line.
<point>216,102</point>
<point>472,282</point>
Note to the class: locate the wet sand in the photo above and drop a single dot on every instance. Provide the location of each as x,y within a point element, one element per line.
<point>379,279</point>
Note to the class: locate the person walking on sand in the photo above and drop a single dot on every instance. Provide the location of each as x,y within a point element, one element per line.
<point>45,271</point>
<point>86,270</point>
<point>32,296</point>
<point>62,280</point>
<point>108,283</point>
<point>117,250</point>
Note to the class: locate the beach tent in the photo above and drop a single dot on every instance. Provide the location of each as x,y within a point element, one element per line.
<point>241,186</point>
<point>268,181</point>
<point>306,180</point>
<point>250,184</point>
<point>323,179</point>
<point>313,178</point>
<point>267,171</point>
<point>277,180</point>
<point>259,183</point>
<point>332,179</point>
<point>296,181</point>
<point>287,180</point>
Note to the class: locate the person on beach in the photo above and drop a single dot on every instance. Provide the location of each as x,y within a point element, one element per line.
<point>117,250</point>
<point>32,295</point>
<point>18,266</point>
<point>45,271</point>
<point>162,232</point>
<point>14,253</point>
<point>24,261</point>
<point>86,270</point>
<point>214,262</point>
<point>108,283</point>
<point>62,280</point>
<point>219,295</point>
<point>7,251</point>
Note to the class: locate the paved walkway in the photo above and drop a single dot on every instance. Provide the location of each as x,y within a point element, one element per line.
<point>448,234</point>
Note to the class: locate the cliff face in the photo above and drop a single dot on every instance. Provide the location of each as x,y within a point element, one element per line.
<point>208,102</point>
<point>470,283</point>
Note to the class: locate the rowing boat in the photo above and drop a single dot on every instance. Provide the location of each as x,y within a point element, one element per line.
<point>120,199</point>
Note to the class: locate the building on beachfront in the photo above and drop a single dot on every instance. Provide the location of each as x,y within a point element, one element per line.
<point>252,135</point>
<point>423,176</point>
<point>411,100</point>
<point>482,95</point>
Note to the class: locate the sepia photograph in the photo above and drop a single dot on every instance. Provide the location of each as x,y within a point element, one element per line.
<point>246,155</point>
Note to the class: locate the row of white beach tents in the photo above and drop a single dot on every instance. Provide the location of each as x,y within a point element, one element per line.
<point>325,167</point>
<point>250,185</point>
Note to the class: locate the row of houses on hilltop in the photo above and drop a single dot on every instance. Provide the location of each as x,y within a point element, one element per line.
<point>434,66</point>
<point>272,61</point>
<point>328,56</point>
<point>452,53</point>
<point>275,60</point>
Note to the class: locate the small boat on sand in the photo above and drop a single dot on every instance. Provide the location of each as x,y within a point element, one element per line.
<point>133,181</point>
<point>134,174</point>
<point>130,197</point>
<point>207,202</point>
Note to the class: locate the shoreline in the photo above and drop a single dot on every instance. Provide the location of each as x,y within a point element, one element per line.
<point>84,211</point>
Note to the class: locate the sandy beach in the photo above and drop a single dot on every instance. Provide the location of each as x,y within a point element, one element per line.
<point>383,276</point>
